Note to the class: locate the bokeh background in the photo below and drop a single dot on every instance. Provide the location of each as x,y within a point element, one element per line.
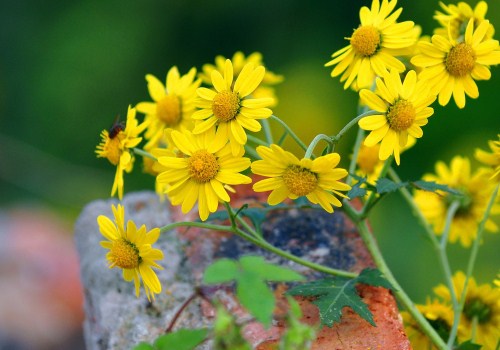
<point>68,68</point>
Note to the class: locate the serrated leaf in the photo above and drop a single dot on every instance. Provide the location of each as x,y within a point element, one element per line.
<point>255,296</point>
<point>183,339</point>
<point>468,345</point>
<point>332,296</point>
<point>356,191</point>
<point>432,186</point>
<point>373,277</point>
<point>269,272</point>
<point>385,185</point>
<point>221,271</point>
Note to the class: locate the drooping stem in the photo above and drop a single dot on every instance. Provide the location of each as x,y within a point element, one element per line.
<point>349,125</point>
<point>260,243</point>
<point>314,142</point>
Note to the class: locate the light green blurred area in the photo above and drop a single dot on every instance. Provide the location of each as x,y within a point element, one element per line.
<point>68,68</point>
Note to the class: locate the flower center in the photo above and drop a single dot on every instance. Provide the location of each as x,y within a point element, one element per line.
<point>460,60</point>
<point>125,254</point>
<point>226,105</point>
<point>441,327</point>
<point>365,40</point>
<point>300,181</point>
<point>168,110</point>
<point>464,202</point>
<point>203,166</point>
<point>401,115</point>
<point>476,308</point>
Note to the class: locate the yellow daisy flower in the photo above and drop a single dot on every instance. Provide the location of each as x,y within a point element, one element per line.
<point>439,315</point>
<point>130,248</point>
<point>116,144</point>
<point>290,177</point>
<point>373,45</point>
<point>172,106</point>
<point>476,191</point>
<point>455,18</point>
<point>491,159</point>
<point>482,307</point>
<point>230,108</point>
<point>239,61</point>
<point>403,108</point>
<point>201,175</point>
<point>451,66</point>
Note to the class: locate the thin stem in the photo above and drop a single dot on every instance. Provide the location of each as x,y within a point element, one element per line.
<point>398,291</point>
<point>144,153</point>
<point>355,152</point>
<point>372,198</point>
<point>472,261</point>
<point>180,311</point>
<point>314,142</point>
<point>260,243</point>
<point>282,138</point>
<point>290,132</point>
<point>353,122</point>
<point>267,131</point>
<point>251,152</point>
<point>449,218</point>
<point>257,141</point>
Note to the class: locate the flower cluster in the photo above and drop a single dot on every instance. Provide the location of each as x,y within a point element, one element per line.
<point>479,318</point>
<point>207,131</point>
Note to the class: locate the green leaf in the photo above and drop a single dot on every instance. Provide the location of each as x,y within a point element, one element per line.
<point>221,271</point>
<point>373,277</point>
<point>143,346</point>
<point>433,187</point>
<point>333,294</point>
<point>269,272</point>
<point>251,274</point>
<point>385,185</point>
<point>183,339</point>
<point>256,297</point>
<point>356,191</point>
<point>468,345</point>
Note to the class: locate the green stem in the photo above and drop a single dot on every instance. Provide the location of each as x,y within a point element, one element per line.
<point>282,138</point>
<point>267,131</point>
<point>261,243</point>
<point>370,243</point>
<point>257,141</point>
<point>370,202</point>
<point>355,152</point>
<point>472,261</point>
<point>349,125</point>
<point>290,132</point>
<point>144,154</point>
<point>314,142</point>
<point>251,152</point>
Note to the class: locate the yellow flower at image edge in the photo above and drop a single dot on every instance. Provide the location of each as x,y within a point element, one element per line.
<point>491,159</point>
<point>116,144</point>
<point>130,248</point>
<point>451,67</point>
<point>289,177</point>
<point>438,314</point>
<point>482,306</point>
<point>402,109</point>
<point>476,191</point>
<point>201,175</point>
<point>230,109</point>
<point>374,45</point>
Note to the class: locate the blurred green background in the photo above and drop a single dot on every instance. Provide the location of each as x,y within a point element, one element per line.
<point>68,68</point>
